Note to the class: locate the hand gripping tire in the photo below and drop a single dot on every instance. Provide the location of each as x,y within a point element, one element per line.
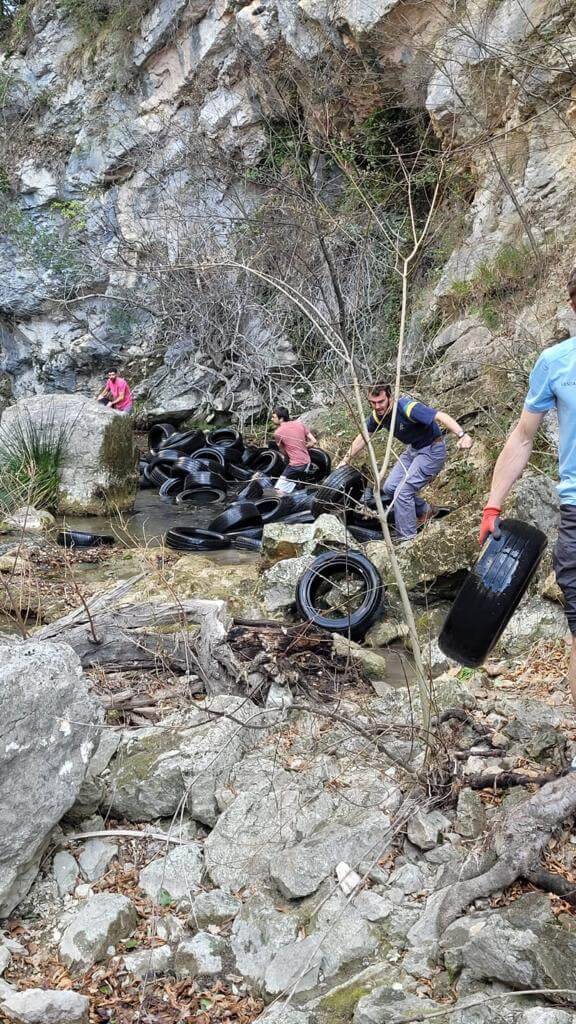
<point>342,489</point>
<point>158,433</point>
<point>188,538</point>
<point>273,510</point>
<point>357,585</point>
<point>241,515</point>
<point>200,496</point>
<point>187,442</point>
<point>270,463</point>
<point>322,461</point>
<point>251,492</point>
<point>79,539</point>
<point>491,592</point>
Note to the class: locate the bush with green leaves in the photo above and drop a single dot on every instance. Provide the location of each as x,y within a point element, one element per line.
<point>32,453</point>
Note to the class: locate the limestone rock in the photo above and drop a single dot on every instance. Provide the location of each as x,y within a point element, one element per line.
<point>534,619</point>
<point>45,1006</point>
<point>520,945</point>
<point>45,746</point>
<point>65,870</point>
<point>31,520</point>
<point>470,814</point>
<point>156,769</point>
<point>201,956</point>
<point>535,500</point>
<point>278,584</point>
<point>370,662</point>
<point>95,858</point>
<point>259,932</point>
<point>384,1005</point>
<point>145,963</point>
<point>103,921</point>
<point>443,548</point>
<point>215,907</point>
<point>425,829</point>
<point>98,471</point>
<point>285,540</point>
<point>178,873</point>
<point>280,1013</point>
<point>386,632</point>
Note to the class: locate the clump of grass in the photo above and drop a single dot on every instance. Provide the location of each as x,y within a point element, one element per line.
<point>32,453</point>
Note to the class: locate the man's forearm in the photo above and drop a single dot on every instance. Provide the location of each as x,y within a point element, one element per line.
<point>355,448</point>
<point>510,465</point>
<point>449,422</point>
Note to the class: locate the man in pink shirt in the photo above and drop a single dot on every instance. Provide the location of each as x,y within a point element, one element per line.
<point>293,439</point>
<point>116,394</point>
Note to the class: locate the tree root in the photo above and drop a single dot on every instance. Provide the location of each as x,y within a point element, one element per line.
<point>516,849</point>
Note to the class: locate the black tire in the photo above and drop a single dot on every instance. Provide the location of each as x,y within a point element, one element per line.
<point>322,461</point>
<point>79,539</point>
<point>265,482</point>
<point>316,585</point>
<point>251,532</point>
<point>302,501</point>
<point>270,463</point>
<point>249,454</point>
<point>159,433</point>
<point>241,473</point>
<point>171,489</point>
<point>216,456</point>
<point>187,442</point>
<point>251,492</point>
<point>364,535</point>
<point>243,543</point>
<point>491,592</point>
<point>273,510</point>
<point>156,476</point>
<point>188,464</point>
<point>241,515</point>
<point>299,517</point>
<point>200,496</point>
<point>204,479</point>
<point>342,489</point>
<point>188,538</point>
<point>166,459</point>
<point>227,439</point>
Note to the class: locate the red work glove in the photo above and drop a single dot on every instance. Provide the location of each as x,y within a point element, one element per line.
<point>489,523</point>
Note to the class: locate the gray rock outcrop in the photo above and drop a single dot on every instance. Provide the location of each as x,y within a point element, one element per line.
<point>95,929</point>
<point>48,730</point>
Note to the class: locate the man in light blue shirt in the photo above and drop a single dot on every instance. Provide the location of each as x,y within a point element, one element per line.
<point>552,386</point>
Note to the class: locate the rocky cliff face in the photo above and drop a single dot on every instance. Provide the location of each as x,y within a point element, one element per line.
<point>145,141</point>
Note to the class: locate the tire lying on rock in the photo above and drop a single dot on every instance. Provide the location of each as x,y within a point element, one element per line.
<point>188,538</point>
<point>342,489</point>
<point>341,592</point>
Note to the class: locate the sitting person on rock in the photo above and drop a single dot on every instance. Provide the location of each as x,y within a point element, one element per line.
<point>552,386</point>
<point>420,427</point>
<point>116,394</point>
<point>294,439</point>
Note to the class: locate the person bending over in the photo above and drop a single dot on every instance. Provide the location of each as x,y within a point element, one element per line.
<point>294,439</point>
<point>116,393</point>
<point>419,426</point>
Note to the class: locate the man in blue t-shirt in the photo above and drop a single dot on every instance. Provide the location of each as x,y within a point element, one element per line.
<point>552,386</point>
<point>419,426</point>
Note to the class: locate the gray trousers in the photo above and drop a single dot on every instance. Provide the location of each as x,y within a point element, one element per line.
<point>414,469</point>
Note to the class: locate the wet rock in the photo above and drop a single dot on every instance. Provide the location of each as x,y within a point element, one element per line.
<point>103,921</point>
<point>45,746</point>
<point>386,632</point>
<point>178,874</point>
<point>521,945</point>
<point>370,662</point>
<point>65,870</point>
<point>95,858</point>
<point>215,907</point>
<point>145,963</point>
<point>201,956</point>
<point>156,769</point>
<point>425,829</point>
<point>259,932</point>
<point>470,814</point>
<point>45,1006</point>
<point>98,471</point>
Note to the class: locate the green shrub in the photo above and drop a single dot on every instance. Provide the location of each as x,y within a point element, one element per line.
<point>32,453</point>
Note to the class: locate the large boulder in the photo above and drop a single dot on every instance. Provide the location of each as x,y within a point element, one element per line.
<point>444,548</point>
<point>99,463</point>
<point>46,740</point>
<point>156,769</point>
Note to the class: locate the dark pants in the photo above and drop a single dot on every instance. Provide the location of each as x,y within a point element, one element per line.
<point>564,562</point>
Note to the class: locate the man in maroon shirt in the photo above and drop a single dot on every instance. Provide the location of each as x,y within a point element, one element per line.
<point>294,439</point>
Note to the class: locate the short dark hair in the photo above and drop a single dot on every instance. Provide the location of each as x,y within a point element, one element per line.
<point>572,284</point>
<point>112,370</point>
<point>281,412</point>
<point>377,389</point>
